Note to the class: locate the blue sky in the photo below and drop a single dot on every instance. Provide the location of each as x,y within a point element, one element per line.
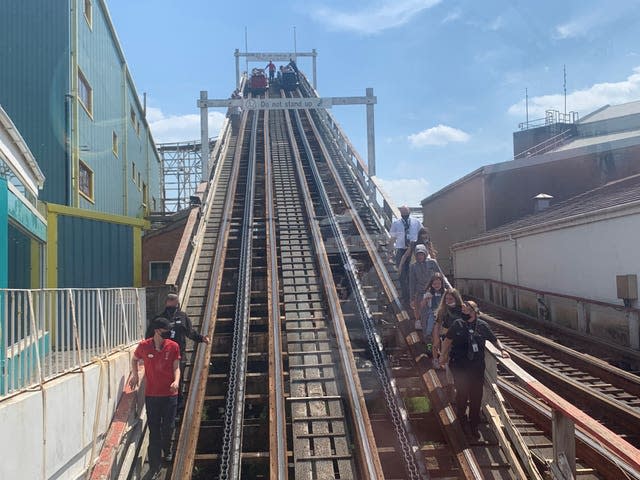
<point>449,75</point>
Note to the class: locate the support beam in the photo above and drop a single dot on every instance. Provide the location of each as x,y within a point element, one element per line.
<point>305,103</point>
<point>204,134</point>
<point>237,55</point>
<point>371,135</point>
<point>564,441</point>
<point>314,77</point>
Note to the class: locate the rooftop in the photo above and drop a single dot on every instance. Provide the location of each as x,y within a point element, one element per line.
<point>612,111</point>
<point>614,194</point>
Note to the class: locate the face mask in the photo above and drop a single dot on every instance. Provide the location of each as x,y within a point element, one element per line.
<point>451,305</point>
<point>464,316</point>
<point>166,335</point>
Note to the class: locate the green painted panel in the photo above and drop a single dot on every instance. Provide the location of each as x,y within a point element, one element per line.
<point>23,215</point>
<point>94,254</point>
<point>19,259</point>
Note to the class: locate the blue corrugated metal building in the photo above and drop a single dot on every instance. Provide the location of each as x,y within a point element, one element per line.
<point>66,85</point>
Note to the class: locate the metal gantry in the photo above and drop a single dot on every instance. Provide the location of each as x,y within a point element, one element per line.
<point>181,172</point>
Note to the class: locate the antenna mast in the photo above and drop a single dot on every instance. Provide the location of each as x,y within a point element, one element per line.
<point>564,68</point>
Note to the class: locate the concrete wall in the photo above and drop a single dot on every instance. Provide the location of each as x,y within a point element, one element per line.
<point>454,216</point>
<point>579,261</point>
<point>49,434</point>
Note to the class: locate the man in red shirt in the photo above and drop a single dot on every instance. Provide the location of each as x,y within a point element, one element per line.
<point>161,358</point>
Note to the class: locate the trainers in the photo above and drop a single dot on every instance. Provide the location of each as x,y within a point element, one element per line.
<point>168,457</point>
<point>429,350</point>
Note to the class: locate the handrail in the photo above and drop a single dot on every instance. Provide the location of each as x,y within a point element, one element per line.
<point>611,441</point>
<point>552,294</point>
<point>387,210</point>
<point>546,145</point>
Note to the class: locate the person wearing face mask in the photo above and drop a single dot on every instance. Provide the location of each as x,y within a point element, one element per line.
<point>463,347</point>
<point>181,329</point>
<point>448,311</point>
<point>161,358</point>
<point>404,233</point>
<point>420,274</point>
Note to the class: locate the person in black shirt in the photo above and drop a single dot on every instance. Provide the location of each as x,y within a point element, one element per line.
<point>463,348</point>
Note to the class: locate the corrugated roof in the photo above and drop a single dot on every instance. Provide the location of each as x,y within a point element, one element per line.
<point>597,140</point>
<point>613,111</point>
<point>617,193</point>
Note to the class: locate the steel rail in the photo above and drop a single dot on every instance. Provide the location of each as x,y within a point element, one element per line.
<point>368,458</point>
<point>599,368</point>
<point>465,457</point>
<point>188,438</point>
<point>277,412</point>
<point>321,437</point>
<point>414,462</point>
<point>231,458</point>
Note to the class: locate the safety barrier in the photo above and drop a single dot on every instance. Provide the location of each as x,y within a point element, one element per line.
<point>568,422</point>
<point>46,333</point>
<point>609,322</point>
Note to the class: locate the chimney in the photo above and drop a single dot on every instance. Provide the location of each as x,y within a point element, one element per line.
<point>541,202</point>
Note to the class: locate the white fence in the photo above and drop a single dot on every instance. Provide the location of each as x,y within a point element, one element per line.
<point>45,333</point>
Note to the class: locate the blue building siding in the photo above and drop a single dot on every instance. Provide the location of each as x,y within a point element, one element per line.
<point>99,62</point>
<point>94,254</point>
<point>34,79</point>
<point>36,75</point>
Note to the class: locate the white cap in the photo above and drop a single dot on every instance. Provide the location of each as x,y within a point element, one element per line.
<point>421,249</point>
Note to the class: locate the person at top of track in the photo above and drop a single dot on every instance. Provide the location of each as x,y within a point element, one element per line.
<point>272,70</point>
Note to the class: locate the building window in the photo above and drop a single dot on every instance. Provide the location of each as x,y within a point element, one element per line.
<point>114,143</point>
<point>139,183</point>
<point>85,181</point>
<point>85,93</point>
<point>153,202</point>
<point>158,271</point>
<point>133,172</point>
<point>88,12</point>
<point>145,194</point>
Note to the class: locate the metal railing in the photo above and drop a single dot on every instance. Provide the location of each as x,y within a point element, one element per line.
<point>550,117</point>
<point>46,333</point>
<point>547,145</point>
<point>379,200</point>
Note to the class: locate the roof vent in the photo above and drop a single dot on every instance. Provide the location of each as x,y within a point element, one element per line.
<point>541,202</point>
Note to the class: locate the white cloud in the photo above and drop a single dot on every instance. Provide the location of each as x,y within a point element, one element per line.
<point>439,135</point>
<point>406,191</point>
<point>180,128</point>
<point>575,28</point>
<point>452,16</point>
<point>590,23</point>
<point>496,24</point>
<point>583,101</point>
<point>382,15</point>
